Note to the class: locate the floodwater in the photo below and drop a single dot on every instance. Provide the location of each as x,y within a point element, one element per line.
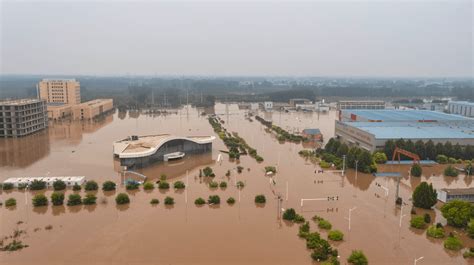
<point>244,233</point>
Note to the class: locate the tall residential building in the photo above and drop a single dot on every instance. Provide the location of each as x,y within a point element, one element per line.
<point>65,91</point>
<point>22,117</point>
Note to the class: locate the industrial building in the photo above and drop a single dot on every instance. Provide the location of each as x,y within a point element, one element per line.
<point>447,195</point>
<point>22,117</point>
<point>360,104</point>
<point>91,109</point>
<point>370,129</point>
<point>463,108</point>
<point>65,91</point>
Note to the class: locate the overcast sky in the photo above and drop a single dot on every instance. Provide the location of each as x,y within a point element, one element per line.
<point>343,38</point>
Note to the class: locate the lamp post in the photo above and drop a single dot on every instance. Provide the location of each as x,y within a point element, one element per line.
<point>401,215</point>
<point>416,260</point>
<point>350,214</point>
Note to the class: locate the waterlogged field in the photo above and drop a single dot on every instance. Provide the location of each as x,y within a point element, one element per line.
<point>242,233</point>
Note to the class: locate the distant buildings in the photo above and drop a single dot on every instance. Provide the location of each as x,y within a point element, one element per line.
<point>447,195</point>
<point>299,101</point>
<point>370,129</point>
<point>268,105</point>
<point>360,104</point>
<point>22,117</point>
<point>463,108</point>
<point>60,91</point>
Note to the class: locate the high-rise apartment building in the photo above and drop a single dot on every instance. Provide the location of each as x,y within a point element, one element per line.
<point>65,91</point>
<point>22,117</point>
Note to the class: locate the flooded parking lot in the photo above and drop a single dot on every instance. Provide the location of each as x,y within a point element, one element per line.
<point>244,233</point>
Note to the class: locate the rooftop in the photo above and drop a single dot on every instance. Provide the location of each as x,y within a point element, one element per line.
<point>59,80</point>
<point>406,115</point>
<point>312,131</point>
<point>94,102</point>
<point>467,103</point>
<point>16,102</point>
<point>465,191</point>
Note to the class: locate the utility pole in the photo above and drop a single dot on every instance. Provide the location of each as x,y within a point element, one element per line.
<point>401,214</point>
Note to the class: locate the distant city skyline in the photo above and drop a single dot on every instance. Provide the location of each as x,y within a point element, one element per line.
<point>345,39</point>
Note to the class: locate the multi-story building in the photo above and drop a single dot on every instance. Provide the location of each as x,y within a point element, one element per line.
<point>22,117</point>
<point>91,109</point>
<point>65,91</point>
<point>462,108</point>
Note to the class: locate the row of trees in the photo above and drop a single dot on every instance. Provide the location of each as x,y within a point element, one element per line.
<point>334,150</point>
<point>429,150</point>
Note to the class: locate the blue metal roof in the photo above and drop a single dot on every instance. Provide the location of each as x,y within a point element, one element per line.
<point>312,131</point>
<point>406,115</point>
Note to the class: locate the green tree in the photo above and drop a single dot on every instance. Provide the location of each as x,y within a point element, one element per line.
<point>163,185</point>
<point>420,149</point>
<point>169,200</point>
<point>214,199</point>
<point>207,172</point>
<point>122,198</point>
<point>451,171</point>
<point>442,159</point>
<point>417,222</point>
<point>108,186</point>
<point>430,150</point>
<point>76,187</point>
<point>37,185</point>
<point>357,257</point>
<point>440,150</point>
<point>470,228</point>
<point>389,148</point>
<point>199,201</point>
<point>379,157</point>
<point>39,200</point>
<point>335,235</point>
<point>289,214</point>
<point>74,199</point>
<point>10,202</point>
<point>424,196</point>
<point>91,186</point>
<point>260,198</point>
<point>89,199</point>
<point>448,149</point>
<point>457,151</point>
<point>435,232</point>
<point>416,170</point>
<point>458,213</point>
<point>148,185</point>
<point>452,242</point>
<point>342,150</point>
<point>59,185</point>
<point>230,200</point>
<point>179,185</point>
<point>57,198</point>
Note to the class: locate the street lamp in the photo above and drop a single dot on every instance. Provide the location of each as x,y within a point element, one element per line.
<point>350,214</point>
<point>416,260</point>
<point>401,214</point>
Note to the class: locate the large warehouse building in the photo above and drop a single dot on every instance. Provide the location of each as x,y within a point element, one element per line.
<point>370,129</point>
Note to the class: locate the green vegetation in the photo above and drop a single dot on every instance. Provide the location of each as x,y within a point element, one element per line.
<point>163,185</point>
<point>227,174</point>
<point>37,185</point>
<point>260,199</point>
<point>22,186</point>
<point>231,200</point>
<point>39,200</point>
<point>451,171</point>
<point>169,200</point>
<point>429,150</point>
<point>76,187</point>
<point>13,246</point>
<point>74,199</point>
<point>468,169</point>
<point>163,177</point>
<point>57,198</point>
<point>270,169</point>
<point>357,257</point>
<point>240,184</point>
<point>468,253</point>
<point>240,169</point>
<point>299,219</point>
<point>7,186</point>
<point>427,218</point>
<point>435,232</point>
<point>148,185</point>
<point>442,159</point>
<point>132,185</point>
<point>379,157</point>
<point>89,199</point>
<point>91,186</point>
<point>321,248</point>
<point>289,214</point>
<point>282,135</point>
<point>335,235</point>
<point>452,242</point>
<point>59,185</point>
<point>458,213</point>
<point>417,222</point>
<point>122,198</point>
<point>179,185</point>
<point>334,150</point>
<point>214,199</point>
<point>213,184</point>
<point>199,201</point>
<point>223,185</point>
<point>324,224</point>
<point>10,202</point>
<point>208,172</point>
<point>108,186</point>
<point>424,196</point>
<point>303,230</point>
<point>470,228</point>
<point>154,201</point>
<point>416,170</point>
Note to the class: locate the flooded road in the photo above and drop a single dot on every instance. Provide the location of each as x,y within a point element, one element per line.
<point>244,233</point>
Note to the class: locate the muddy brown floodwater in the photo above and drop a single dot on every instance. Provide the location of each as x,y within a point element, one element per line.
<point>186,234</point>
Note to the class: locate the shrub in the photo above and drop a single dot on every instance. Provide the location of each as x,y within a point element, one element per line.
<point>231,200</point>
<point>89,199</point>
<point>453,243</point>
<point>468,253</point>
<point>451,171</point>
<point>324,224</point>
<point>208,172</point>
<point>324,164</point>
<point>40,200</point>
<point>357,257</point>
<point>470,228</point>
<point>380,157</point>
<point>458,213</point>
<point>417,222</point>
<point>37,185</point>
<point>260,199</point>
<point>240,184</point>
<point>179,185</point>
<point>452,160</point>
<point>435,232</point>
<point>442,159</point>
<point>427,218</point>
<point>91,186</point>
<point>321,249</point>
<point>289,214</point>
<point>213,184</point>
<point>163,177</point>
<point>148,186</point>
<point>7,186</point>
<point>59,185</point>
<point>312,240</point>
<point>299,219</point>
<point>223,185</point>
<point>199,201</point>
<point>214,199</point>
<point>108,186</point>
<point>163,185</point>
<point>74,199</point>
<point>22,186</point>
<point>227,174</point>
<point>416,170</point>
<point>240,169</point>
<point>335,235</point>
<point>122,198</point>
<point>154,201</point>
<point>270,169</point>
<point>169,200</point>
<point>303,231</point>
<point>10,202</point>
<point>424,196</point>
<point>57,198</point>
<point>132,185</point>
<point>76,187</point>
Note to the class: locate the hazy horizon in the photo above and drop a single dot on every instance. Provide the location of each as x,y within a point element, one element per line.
<point>357,39</point>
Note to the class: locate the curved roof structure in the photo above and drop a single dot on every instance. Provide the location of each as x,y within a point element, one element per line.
<point>143,146</point>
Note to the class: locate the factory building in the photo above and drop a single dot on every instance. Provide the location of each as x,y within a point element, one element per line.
<point>22,117</point>
<point>463,108</point>
<point>370,129</point>
<point>360,104</point>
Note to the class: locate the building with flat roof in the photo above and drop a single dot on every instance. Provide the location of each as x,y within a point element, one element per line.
<point>91,109</point>
<point>371,129</point>
<point>360,104</point>
<point>22,117</point>
<point>463,108</point>
<point>58,111</point>
<point>299,101</point>
<point>447,195</point>
<point>66,91</point>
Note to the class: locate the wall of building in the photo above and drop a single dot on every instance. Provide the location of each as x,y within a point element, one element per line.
<point>59,112</point>
<point>461,108</point>
<point>66,91</point>
<point>22,117</point>
<point>91,109</point>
